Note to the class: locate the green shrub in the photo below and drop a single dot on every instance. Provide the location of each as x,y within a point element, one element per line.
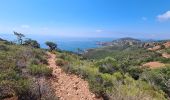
<point>52,46</point>
<point>7,89</point>
<point>158,78</point>
<point>135,90</point>
<point>62,56</point>
<point>60,62</point>
<point>22,87</point>
<point>34,61</point>
<point>40,70</point>
<point>167,50</point>
<point>3,47</point>
<point>31,43</point>
<point>107,65</point>
<point>135,72</point>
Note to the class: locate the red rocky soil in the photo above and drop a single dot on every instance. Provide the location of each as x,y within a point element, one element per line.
<point>153,65</point>
<point>166,55</point>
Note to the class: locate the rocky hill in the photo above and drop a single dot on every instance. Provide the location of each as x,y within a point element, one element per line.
<point>122,42</point>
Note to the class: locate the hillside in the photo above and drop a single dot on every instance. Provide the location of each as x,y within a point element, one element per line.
<point>122,42</point>
<point>30,73</point>
<point>109,73</point>
<point>154,63</point>
<point>23,73</point>
<point>111,79</point>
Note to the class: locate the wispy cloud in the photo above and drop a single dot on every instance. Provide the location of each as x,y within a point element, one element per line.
<point>99,30</point>
<point>25,26</point>
<point>164,17</point>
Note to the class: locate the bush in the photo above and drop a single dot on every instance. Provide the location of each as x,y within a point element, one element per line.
<point>40,70</point>
<point>107,65</point>
<point>60,62</point>
<point>158,78</point>
<point>35,89</point>
<point>134,90</point>
<point>3,47</point>
<point>167,50</point>
<point>22,88</point>
<point>34,61</point>
<point>43,60</point>
<point>51,45</point>
<point>6,89</point>
<point>135,72</point>
<point>32,43</point>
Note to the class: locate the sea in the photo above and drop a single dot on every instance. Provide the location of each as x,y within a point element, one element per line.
<point>64,43</point>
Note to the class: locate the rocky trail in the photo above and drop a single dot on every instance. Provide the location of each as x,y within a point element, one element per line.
<point>69,86</point>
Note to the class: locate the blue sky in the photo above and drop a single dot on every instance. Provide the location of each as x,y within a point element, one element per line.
<point>87,18</point>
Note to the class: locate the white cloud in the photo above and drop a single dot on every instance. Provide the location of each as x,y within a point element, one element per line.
<point>99,31</point>
<point>164,17</point>
<point>25,26</point>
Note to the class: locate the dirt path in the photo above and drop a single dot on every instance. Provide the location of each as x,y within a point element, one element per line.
<point>69,87</point>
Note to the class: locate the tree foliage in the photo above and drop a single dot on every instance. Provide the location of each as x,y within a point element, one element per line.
<point>51,45</point>
<point>19,37</point>
<point>32,43</point>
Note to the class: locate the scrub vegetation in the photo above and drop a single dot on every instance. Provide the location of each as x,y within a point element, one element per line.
<point>112,72</point>
<point>23,71</point>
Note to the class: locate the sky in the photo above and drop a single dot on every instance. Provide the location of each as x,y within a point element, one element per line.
<point>87,18</point>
